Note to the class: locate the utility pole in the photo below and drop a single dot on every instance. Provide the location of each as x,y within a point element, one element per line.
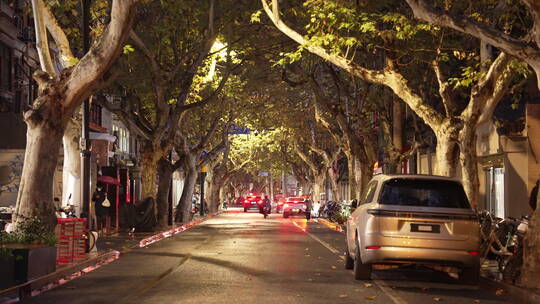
<point>85,141</point>
<point>170,216</point>
<point>271,188</point>
<point>202,177</point>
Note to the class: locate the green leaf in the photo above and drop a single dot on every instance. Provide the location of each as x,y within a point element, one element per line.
<point>128,49</point>
<point>256,17</point>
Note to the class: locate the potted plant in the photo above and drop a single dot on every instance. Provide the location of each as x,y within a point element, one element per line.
<point>31,248</point>
<point>7,261</point>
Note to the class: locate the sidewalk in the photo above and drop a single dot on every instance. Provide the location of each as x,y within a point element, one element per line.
<point>109,248</point>
<point>491,277</point>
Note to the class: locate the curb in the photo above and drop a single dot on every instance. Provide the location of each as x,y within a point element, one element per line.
<point>172,232</point>
<point>517,293</point>
<point>52,280</point>
<point>38,286</point>
<point>330,225</point>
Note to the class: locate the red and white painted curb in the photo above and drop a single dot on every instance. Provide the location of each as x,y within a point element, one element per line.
<point>63,276</point>
<point>174,231</point>
<point>330,225</point>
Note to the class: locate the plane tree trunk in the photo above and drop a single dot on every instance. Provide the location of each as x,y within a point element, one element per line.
<point>59,96</point>
<point>165,169</point>
<point>71,172</point>
<point>318,185</point>
<point>333,178</point>
<point>183,212</point>
<point>43,142</point>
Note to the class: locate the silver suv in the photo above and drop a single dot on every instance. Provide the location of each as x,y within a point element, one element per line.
<point>413,219</point>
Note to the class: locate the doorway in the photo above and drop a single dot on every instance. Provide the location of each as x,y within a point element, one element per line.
<point>495,191</point>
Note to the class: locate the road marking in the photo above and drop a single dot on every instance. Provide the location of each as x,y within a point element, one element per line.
<point>132,298</point>
<point>389,291</point>
<point>381,284</point>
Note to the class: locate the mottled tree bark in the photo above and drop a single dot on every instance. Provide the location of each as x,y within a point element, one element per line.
<point>165,173</point>
<point>354,190</point>
<point>531,252</point>
<point>445,153</point>
<point>469,163</point>
<point>149,170</point>
<point>59,96</point>
<point>183,212</point>
<point>318,186</point>
<point>43,142</point>
<point>72,163</point>
<point>332,176</point>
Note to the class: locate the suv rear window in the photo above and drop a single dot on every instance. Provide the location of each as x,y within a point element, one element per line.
<point>424,193</point>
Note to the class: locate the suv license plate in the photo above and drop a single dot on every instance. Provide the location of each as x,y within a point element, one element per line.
<point>425,228</point>
<point>295,210</point>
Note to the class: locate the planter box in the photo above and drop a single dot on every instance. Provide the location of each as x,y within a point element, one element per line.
<point>32,262</point>
<point>7,275</point>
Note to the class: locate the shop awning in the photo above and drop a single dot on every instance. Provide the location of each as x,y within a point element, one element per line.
<point>103,136</point>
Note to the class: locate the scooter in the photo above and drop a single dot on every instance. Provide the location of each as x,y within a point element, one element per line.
<point>265,210</point>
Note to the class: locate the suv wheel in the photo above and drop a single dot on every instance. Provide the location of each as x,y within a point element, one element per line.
<point>285,214</point>
<point>470,275</point>
<point>361,271</point>
<point>245,209</point>
<point>349,261</point>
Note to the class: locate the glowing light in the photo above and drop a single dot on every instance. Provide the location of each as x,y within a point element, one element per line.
<point>373,247</point>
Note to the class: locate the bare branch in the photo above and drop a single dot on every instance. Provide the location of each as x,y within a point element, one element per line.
<point>42,42</point>
<point>154,65</point>
<point>520,49</point>
<point>444,89</point>
<point>66,55</point>
<point>388,77</point>
<point>102,55</point>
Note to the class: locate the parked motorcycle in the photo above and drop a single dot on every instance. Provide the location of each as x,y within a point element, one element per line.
<point>511,266</point>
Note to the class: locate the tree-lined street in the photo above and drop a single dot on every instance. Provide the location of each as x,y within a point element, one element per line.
<point>412,124</point>
<point>242,258</point>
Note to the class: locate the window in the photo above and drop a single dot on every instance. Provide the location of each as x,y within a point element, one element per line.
<point>367,197</point>
<point>5,68</point>
<point>95,113</point>
<point>424,193</point>
<point>122,139</point>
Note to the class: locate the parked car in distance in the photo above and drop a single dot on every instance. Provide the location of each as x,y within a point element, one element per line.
<point>252,202</point>
<point>239,201</point>
<point>279,204</point>
<point>413,219</point>
<point>295,205</point>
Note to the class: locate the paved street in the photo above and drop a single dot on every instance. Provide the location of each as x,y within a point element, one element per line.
<point>243,258</point>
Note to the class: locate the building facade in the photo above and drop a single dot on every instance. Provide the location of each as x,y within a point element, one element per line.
<point>18,61</point>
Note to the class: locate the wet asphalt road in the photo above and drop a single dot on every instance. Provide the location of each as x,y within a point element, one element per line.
<point>242,258</point>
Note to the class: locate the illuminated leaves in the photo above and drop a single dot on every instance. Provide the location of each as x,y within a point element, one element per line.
<point>128,49</point>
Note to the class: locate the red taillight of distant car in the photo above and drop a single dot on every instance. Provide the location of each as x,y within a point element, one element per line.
<point>373,247</point>
<point>474,252</point>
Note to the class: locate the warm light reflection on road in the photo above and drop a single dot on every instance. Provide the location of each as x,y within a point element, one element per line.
<point>301,224</point>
